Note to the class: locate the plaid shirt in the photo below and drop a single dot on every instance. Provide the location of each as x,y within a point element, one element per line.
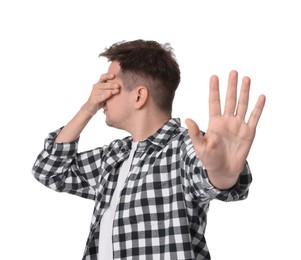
<point>163,205</point>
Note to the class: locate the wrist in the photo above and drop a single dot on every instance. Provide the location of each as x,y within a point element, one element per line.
<point>87,112</point>
<point>223,179</point>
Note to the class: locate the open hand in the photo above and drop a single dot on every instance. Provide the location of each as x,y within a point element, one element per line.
<point>224,148</point>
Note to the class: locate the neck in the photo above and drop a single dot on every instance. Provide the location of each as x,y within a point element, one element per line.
<point>146,125</point>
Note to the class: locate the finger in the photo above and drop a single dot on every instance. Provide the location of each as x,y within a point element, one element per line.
<point>105,95</point>
<point>231,96</point>
<point>105,77</point>
<point>115,91</point>
<point>106,86</point>
<point>243,101</point>
<point>108,94</point>
<point>194,131</point>
<point>111,91</point>
<point>214,97</point>
<point>257,111</point>
<point>103,91</point>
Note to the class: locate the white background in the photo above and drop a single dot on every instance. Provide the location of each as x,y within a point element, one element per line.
<point>49,62</point>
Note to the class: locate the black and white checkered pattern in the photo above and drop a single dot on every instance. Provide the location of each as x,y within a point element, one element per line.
<point>164,202</point>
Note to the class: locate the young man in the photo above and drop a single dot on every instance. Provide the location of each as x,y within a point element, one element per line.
<point>152,189</point>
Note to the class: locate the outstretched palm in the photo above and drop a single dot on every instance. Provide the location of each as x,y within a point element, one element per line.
<point>226,144</point>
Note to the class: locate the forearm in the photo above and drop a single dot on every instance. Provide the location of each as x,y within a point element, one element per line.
<point>202,187</point>
<point>73,129</point>
<point>61,168</point>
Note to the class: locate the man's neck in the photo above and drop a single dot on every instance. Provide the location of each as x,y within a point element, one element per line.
<point>146,125</point>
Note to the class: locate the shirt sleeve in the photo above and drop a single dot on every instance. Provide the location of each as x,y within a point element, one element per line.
<point>202,189</point>
<point>60,168</point>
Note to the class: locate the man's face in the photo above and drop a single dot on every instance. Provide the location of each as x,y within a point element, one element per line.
<point>118,108</point>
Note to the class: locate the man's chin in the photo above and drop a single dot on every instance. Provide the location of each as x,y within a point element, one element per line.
<point>109,123</point>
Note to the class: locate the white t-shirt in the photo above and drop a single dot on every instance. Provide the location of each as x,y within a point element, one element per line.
<point>106,225</point>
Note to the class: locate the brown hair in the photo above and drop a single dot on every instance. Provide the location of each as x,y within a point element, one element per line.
<point>150,64</point>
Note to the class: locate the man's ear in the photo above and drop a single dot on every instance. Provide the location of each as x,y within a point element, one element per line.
<point>141,96</point>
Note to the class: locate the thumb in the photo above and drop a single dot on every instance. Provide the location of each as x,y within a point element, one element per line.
<point>194,132</point>
<point>196,137</point>
<point>193,128</point>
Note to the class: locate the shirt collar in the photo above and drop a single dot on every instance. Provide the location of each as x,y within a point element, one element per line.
<point>160,138</point>
<point>165,133</point>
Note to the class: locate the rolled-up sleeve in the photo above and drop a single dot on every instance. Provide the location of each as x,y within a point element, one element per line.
<point>203,190</point>
<point>238,192</point>
<point>61,168</point>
